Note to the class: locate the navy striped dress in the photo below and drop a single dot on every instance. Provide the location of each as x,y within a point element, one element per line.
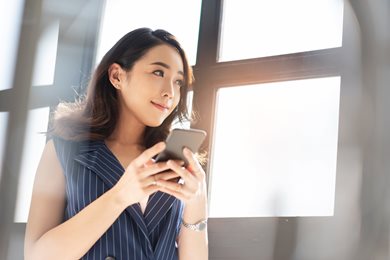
<point>90,170</point>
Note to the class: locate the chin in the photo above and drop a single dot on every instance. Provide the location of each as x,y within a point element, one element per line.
<point>154,123</point>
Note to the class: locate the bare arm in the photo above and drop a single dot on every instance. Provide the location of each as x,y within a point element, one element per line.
<point>48,238</point>
<point>194,244</point>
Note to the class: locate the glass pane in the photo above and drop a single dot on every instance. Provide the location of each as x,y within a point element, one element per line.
<point>3,131</point>
<point>185,125</point>
<point>35,141</point>
<point>181,18</point>
<point>10,24</point>
<point>275,149</point>
<point>263,28</point>
<point>45,58</point>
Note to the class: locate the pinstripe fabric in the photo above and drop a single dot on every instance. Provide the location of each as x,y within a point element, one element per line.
<point>90,170</point>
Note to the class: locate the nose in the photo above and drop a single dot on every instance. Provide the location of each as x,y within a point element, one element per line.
<point>168,89</point>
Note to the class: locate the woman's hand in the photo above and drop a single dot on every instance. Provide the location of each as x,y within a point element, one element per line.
<point>139,179</point>
<point>193,189</point>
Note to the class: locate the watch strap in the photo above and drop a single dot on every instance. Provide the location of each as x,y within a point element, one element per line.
<point>199,226</point>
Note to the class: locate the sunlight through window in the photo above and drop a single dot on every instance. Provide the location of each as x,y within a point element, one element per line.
<point>261,28</point>
<point>181,18</point>
<point>11,14</point>
<point>45,58</point>
<point>275,149</point>
<point>3,131</point>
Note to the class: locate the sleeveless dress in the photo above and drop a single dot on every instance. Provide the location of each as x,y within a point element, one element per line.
<point>90,170</point>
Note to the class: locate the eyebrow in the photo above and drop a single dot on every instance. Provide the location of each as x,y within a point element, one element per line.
<point>162,64</point>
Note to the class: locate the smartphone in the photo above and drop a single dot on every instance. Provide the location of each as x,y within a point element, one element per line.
<point>177,140</point>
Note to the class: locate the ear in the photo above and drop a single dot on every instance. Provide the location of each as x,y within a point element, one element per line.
<point>115,75</point>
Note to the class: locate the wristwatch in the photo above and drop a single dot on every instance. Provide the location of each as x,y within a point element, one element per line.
<point>201,225</point>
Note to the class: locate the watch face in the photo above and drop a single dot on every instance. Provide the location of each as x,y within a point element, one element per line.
<point>202,226</point>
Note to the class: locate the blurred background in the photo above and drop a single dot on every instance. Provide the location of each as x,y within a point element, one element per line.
<point>293,95</point>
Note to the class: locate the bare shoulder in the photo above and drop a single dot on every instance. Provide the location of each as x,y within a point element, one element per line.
<point>50,153</point>
<point>48,197</point>
<point>49,176</point>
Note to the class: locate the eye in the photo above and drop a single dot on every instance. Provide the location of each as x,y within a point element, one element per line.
<point>180,82</point>
<point>159,73</point>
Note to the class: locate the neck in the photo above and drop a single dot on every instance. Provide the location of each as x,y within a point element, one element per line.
<point>128,131</point>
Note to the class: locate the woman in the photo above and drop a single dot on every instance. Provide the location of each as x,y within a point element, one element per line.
<point>98,194</point>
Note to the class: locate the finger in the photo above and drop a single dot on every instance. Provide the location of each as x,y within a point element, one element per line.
<point>167,175</point>
<point>175,187</point>
<point>181,171</point>
<point>151,189</point>
<point>148,154</point>
<point>153,169</point>
<point>149,181</point>
<point>173,193</point>
<point>193,164</point>
<point>155,179</point>
<point>179,162</point>
<point>150,162</point>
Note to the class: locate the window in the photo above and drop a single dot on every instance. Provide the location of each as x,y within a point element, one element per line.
<point>10,20</point>
<point>3,128</point>
<point>181,18</point>
<point>280,57</point>
<point>185,125</point>
<point>275,149</point>
<point>45,59</point>
<point>252,29</point>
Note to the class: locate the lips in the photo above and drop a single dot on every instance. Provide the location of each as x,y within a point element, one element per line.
<point>161,106</point>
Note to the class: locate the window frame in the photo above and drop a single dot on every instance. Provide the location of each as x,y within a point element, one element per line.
<point>210,75</point>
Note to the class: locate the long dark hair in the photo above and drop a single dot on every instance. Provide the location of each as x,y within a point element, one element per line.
<point>94,117</point>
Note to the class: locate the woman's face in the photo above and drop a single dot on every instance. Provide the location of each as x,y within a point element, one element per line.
<point>151,90</point>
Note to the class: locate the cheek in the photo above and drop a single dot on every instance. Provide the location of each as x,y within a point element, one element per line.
<point>175,103</point>
<point>177,99</point>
